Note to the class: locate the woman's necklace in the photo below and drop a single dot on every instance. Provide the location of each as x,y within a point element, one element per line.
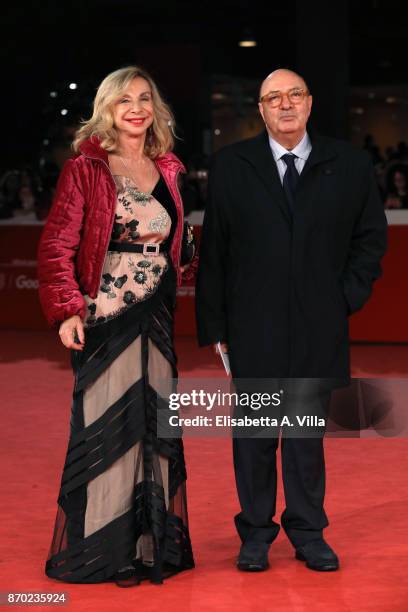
<point>139,196</point>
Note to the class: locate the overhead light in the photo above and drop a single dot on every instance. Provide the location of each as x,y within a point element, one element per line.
<point>218,96</point>
<point>390,100</point>
<point>217,132</point>
<point>371,95</point>
<point>53,94</point>
<point>64,111</point>
<point>247,40</point>
<point>73,86</point>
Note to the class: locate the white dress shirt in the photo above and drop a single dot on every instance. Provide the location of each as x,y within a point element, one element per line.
<point>302,151</point>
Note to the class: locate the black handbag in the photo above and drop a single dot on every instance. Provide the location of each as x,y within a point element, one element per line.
<point>188,245</point>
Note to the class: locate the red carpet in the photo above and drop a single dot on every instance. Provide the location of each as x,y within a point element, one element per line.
<point>366,502</point>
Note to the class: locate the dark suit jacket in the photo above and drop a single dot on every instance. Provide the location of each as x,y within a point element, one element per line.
<point>277,288</point>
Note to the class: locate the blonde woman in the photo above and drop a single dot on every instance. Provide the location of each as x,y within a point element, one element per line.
<point>109,265</point>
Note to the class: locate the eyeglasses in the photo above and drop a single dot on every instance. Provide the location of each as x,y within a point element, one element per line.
<point>273,99</point>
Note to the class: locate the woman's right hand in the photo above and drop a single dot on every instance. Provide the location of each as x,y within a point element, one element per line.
<point>71,330</point>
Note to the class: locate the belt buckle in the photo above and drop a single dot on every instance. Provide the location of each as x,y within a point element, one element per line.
<point>151,245</point>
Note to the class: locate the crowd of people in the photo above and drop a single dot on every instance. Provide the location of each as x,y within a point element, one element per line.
<point>391,172</point>
<point>26,194</point>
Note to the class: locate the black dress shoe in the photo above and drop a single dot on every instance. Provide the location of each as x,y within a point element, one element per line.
<point>318,556</point>
<point>253,557</point>
<point>126,578</point>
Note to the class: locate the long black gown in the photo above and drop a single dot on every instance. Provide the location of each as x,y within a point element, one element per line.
<point>122,502</point>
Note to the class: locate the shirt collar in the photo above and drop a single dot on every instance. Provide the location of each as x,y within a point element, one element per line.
<point>301,150</point>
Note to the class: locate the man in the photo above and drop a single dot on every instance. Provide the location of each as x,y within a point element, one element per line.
<point>292,239</point>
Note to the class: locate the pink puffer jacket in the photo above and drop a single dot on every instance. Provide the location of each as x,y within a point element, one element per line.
<point>76,235</point>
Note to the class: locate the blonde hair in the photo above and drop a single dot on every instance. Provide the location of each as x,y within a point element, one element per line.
<point>159,138</point>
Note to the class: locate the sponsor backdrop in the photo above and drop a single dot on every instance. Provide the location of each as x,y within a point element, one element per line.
<point>384,318</point>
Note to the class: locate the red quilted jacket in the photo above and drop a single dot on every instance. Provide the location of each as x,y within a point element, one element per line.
<point>75,238</point>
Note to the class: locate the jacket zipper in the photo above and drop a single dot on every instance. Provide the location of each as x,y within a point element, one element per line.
<point>112,220</point>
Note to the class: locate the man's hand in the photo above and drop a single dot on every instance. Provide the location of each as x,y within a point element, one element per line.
<point>71,330</point>
<point>224,347</point>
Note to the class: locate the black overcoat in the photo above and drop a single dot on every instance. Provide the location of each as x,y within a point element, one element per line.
<point>279,288</point>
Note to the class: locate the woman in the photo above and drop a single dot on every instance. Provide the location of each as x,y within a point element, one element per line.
<point>19,194</point>
<point>109,264</point>
<point>397,187</point>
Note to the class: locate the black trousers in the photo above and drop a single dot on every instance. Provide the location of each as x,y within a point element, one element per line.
<point>303,473</point>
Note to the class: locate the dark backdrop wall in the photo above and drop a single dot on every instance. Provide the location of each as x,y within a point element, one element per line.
<point>46,45</point>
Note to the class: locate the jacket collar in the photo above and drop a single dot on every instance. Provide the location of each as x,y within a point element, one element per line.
<point>257,152</point>
<point>91,148</point>
<point>323,149</point>
<point>258,149</point>
<point>302,149</point>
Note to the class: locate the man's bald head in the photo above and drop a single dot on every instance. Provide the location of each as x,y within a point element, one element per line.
<point>273,81</point>
<point>285,106</point>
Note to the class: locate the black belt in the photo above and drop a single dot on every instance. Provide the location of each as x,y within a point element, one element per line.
<point>147,248</point>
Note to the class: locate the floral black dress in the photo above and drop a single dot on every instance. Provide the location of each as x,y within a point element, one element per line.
<point>122,504</point>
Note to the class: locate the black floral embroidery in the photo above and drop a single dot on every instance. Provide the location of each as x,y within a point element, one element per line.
<point>92,308</point>
<point>106,285</point>
<point>120,281</point>
<point>107,280</point>
<point>156,269</point>
<point>129,297</point>
<point>132,227</point>
<point>143,273</point>
<point>126,203</point>
<point>118,228</point>
<point>140,277</point>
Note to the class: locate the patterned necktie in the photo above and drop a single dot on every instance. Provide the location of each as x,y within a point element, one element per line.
<point>290,179</point>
